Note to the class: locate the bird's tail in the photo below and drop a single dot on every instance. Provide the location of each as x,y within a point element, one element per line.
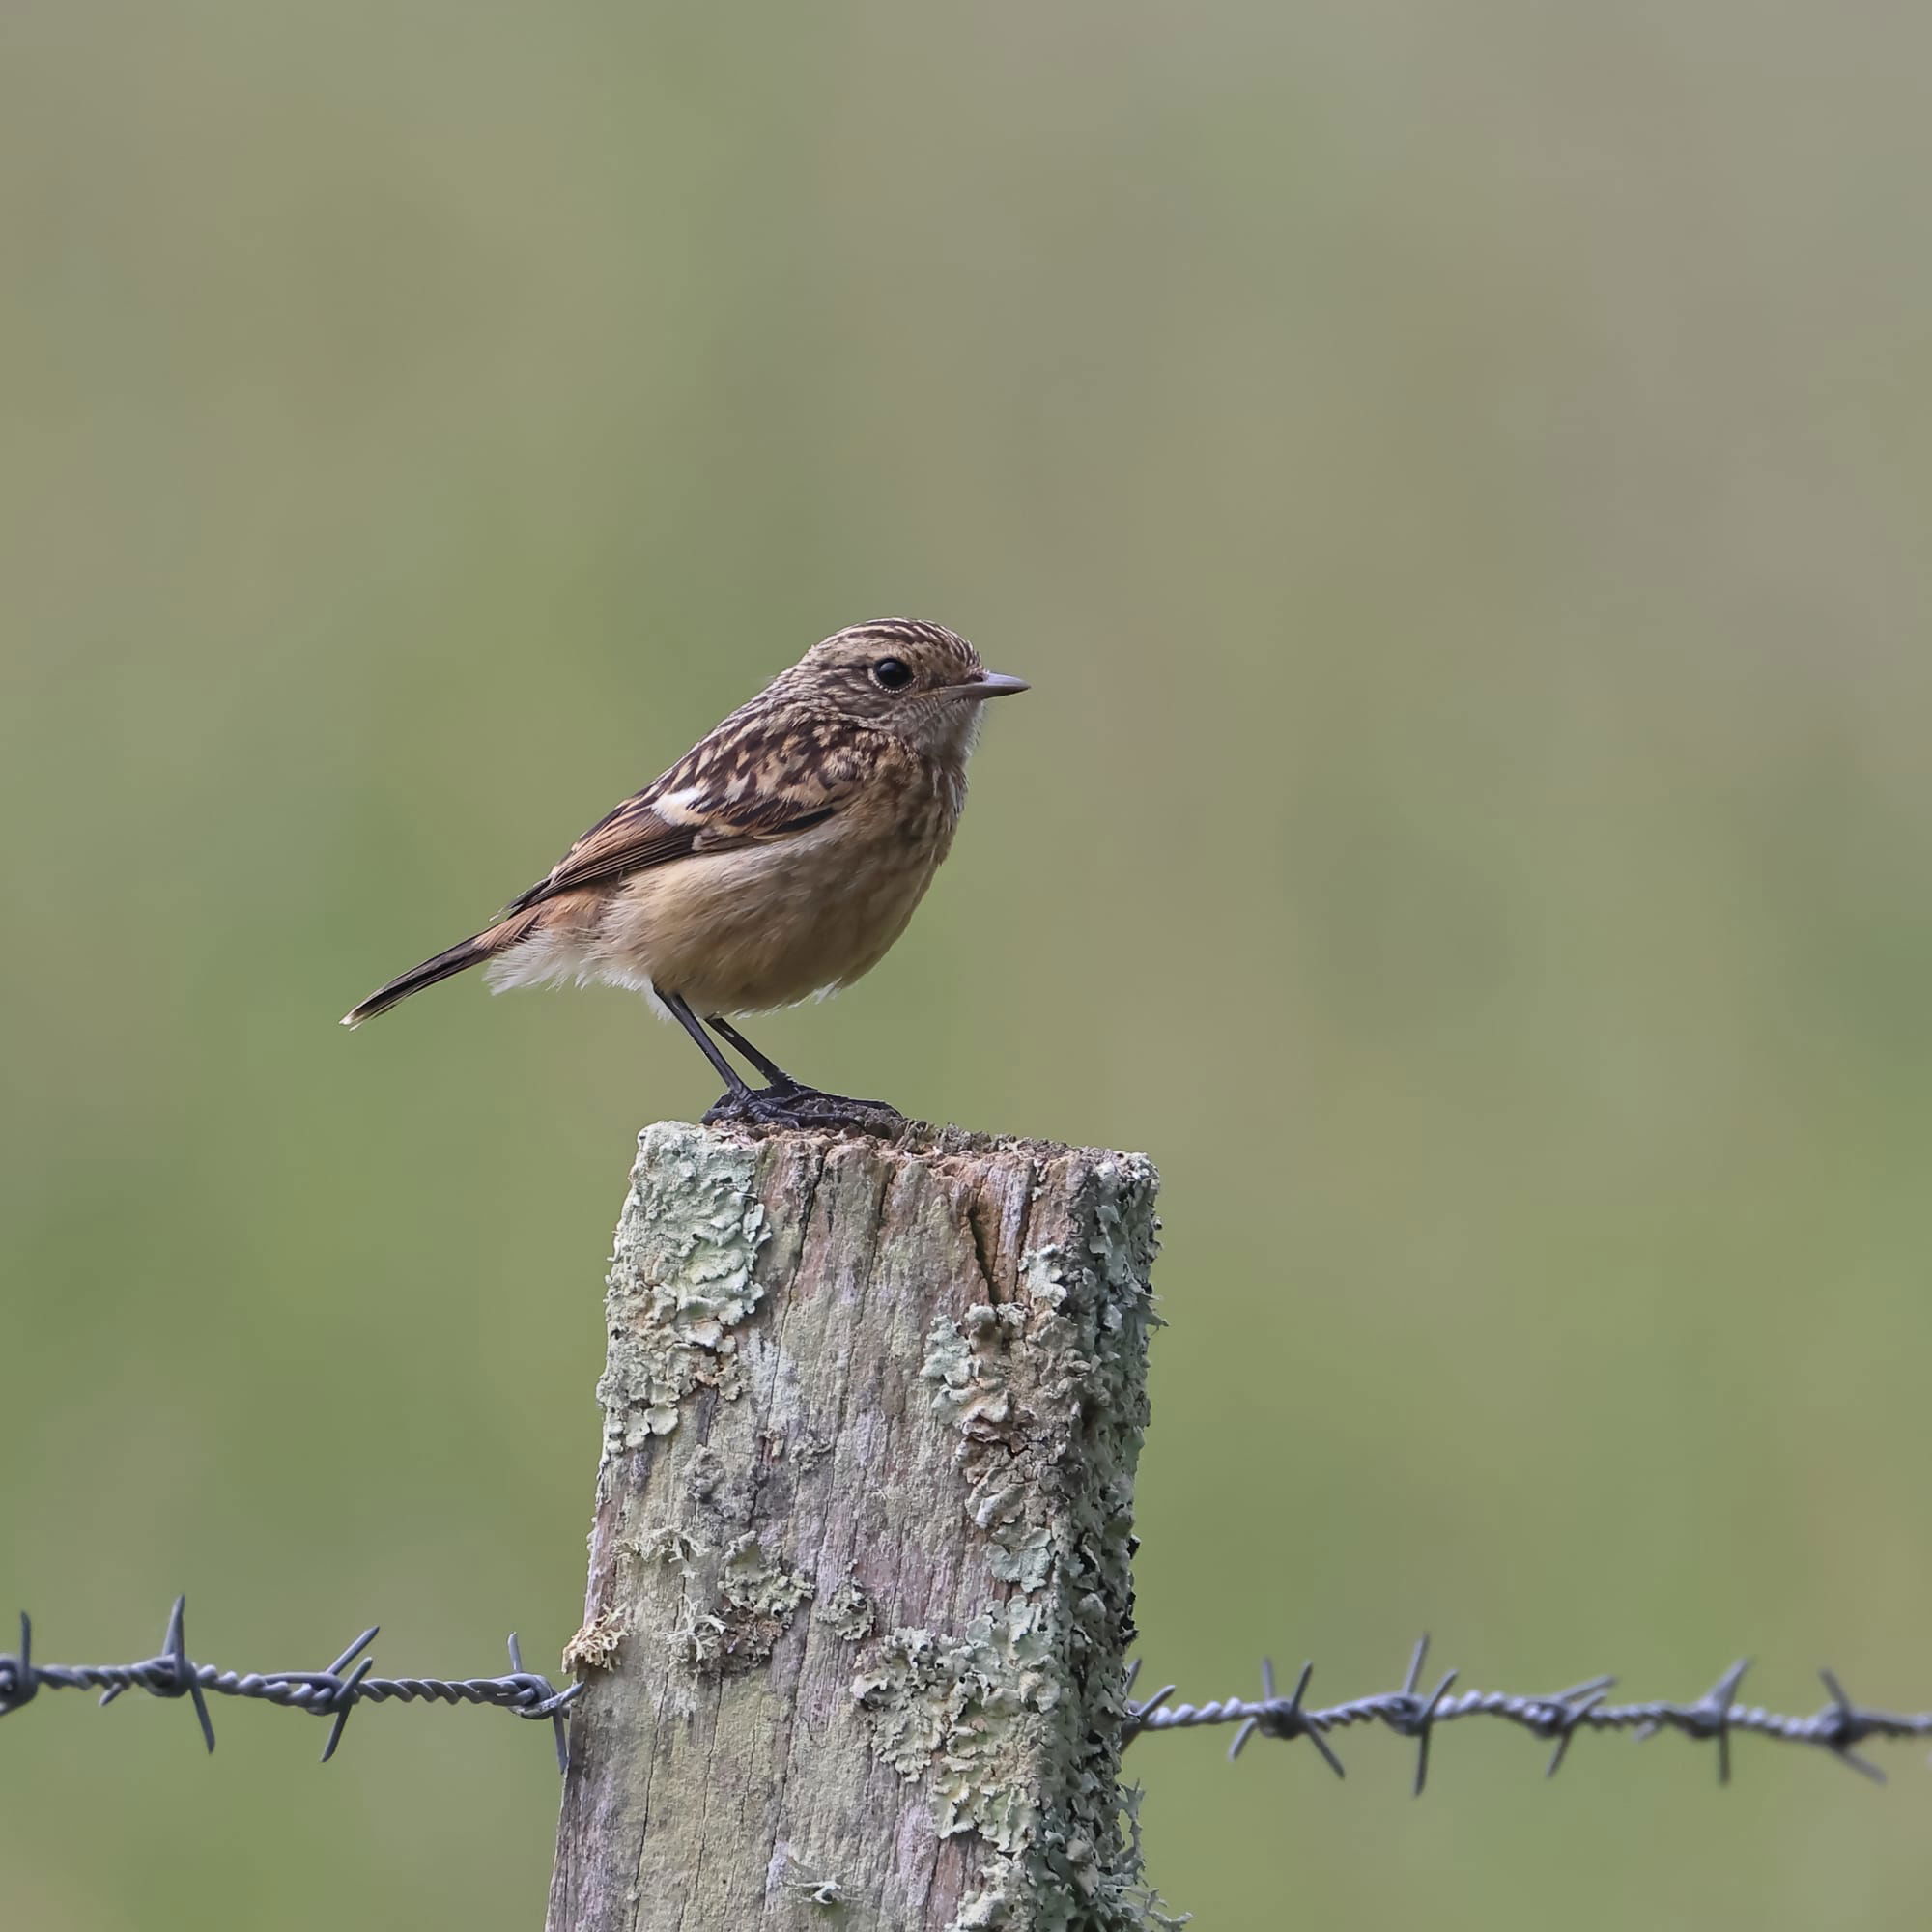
<point>454,959</point>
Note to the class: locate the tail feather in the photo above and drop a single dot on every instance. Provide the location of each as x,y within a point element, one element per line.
<point>454,959</point>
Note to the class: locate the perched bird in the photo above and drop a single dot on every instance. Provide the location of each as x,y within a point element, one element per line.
<point>779,857</point>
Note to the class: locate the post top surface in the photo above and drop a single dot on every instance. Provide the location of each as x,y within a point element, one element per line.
<point>918,1140</point>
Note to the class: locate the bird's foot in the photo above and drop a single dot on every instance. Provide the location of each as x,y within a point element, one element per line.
<point>787,1104</point>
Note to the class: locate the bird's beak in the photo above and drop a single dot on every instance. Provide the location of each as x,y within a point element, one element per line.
<point>991,684</point>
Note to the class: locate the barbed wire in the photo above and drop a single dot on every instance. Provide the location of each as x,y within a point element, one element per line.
<point>332,1691</point>
<point>1413,1711</point>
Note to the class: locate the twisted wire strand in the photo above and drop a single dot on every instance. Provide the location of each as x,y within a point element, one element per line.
<point>332,1691</point>
<point>1413,1712</point>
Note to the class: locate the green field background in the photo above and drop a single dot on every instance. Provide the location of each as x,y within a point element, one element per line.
<point>1458,481</point>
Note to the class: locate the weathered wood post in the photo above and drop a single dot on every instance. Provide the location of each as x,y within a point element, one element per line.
<point>859,1583</point>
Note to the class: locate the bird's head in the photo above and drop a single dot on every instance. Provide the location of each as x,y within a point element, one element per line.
<point>921,682</point>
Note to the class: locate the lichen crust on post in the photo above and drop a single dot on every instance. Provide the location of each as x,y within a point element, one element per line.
<point>681,1279</point>
<point>859,1580</point>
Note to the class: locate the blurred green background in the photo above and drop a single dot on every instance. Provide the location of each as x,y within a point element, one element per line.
<point>1457,479</point>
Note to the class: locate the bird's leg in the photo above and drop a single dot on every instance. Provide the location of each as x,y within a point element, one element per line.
<point>735,1088</point>
<point>765,1064</point>
<point>790,1103</point>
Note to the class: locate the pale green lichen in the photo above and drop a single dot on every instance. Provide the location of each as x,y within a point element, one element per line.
<point>595,1647</point>
<point>847,1612</point>
<point>972,1718</point>
<point>1023,1382</point>
<point>735,1600</point>
<point>1047,1395</point>
<point>955,1712</point>
<point>668,1543</point>
<point>759,1595</point>
<point>682,1278</point>
<point>972,1364</point>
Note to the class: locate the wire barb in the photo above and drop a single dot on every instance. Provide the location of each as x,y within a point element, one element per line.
<point>1848,1725</point>
<point>332,1693</point>
<point>1414,1717</point>
<point>1410,1712</point>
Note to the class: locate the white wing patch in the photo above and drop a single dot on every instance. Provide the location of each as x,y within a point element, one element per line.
<point>679,808</point>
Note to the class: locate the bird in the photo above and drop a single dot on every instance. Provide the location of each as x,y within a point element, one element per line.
<point>779,858</point>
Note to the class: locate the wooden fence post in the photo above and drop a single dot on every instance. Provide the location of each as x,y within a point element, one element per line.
<point>860,1586</point>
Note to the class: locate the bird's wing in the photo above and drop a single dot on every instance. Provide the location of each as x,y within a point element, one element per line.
<point>742,789</point>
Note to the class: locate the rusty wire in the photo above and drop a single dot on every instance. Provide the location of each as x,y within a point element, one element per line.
<point>1415,1712</point>
<point>332,1693</point>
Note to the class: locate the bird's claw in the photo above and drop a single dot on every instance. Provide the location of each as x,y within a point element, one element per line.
<point>791,1106</point>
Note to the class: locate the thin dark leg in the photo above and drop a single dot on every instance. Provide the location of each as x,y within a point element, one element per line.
<point>735,1082</point>
<point>766,1065</point>
<point>786,1102</point>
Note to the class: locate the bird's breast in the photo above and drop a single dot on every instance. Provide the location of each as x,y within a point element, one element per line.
<point>765,926</point>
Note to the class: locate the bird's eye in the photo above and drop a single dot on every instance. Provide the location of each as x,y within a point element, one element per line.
<point>892,673</point>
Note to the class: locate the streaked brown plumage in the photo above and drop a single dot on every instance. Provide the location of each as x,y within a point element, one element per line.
<point>781,857</point>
